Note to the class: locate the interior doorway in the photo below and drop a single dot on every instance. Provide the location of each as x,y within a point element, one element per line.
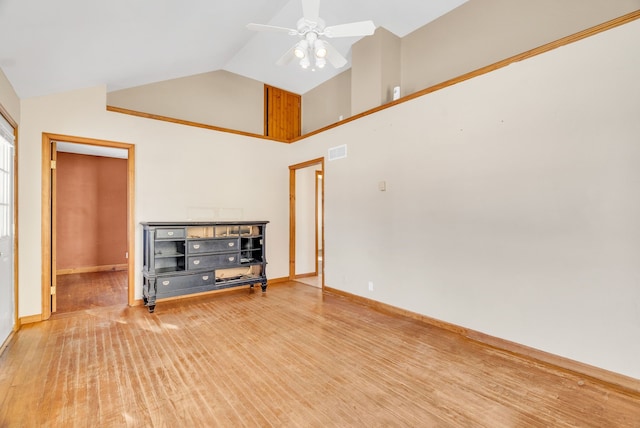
<point>91,159</point>
<point>306,212</point>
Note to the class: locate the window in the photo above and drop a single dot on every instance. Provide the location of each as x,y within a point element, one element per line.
<point>6,188</point>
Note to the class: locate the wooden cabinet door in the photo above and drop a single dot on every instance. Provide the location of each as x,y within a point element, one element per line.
<point>282,114</point>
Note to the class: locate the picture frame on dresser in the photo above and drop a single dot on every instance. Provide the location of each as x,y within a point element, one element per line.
<point>182,258</point>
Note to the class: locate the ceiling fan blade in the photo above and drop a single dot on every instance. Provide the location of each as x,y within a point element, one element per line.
<point>287,57</point>
<point>334,57</point>
<point>272,28</point>
<point>311,10</point>
<point>354,29</point>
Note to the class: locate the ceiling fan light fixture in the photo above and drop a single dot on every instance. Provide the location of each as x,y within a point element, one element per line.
<point>320,49</point>
<point>321,62</point>
<point>301,49</point>
<point>305,63</point>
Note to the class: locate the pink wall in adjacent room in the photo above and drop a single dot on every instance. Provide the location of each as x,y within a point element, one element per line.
<point>91,211</point>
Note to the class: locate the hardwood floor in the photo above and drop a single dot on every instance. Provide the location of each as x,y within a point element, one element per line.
<point>313,281</point>
<point>289,357</point>
<point>81,291</point>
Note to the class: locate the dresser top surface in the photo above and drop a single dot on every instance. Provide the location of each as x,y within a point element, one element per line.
<point>199,223</point>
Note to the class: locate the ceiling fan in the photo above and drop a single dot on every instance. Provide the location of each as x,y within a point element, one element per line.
<point>312,32</point>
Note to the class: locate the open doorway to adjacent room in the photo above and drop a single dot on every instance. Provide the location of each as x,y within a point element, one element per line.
<point>88,187</point>
<point>306,249</point>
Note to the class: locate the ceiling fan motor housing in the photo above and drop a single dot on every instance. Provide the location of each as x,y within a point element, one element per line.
<point>305,26</point>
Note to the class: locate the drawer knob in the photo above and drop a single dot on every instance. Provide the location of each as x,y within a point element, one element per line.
<point>166,282</point>
<point>196,262</point>
<point>196,246</point>
<point>231,244</point>
<point>231,259</point>
<point>170,233</point>
<point>205,277</point>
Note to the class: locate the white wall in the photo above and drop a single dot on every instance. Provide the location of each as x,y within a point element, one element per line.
<point>512,203</point>
<point>180,171</point>
<point>306,220</point>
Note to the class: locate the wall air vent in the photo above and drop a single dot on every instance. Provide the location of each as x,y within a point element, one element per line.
<point>338,152</point>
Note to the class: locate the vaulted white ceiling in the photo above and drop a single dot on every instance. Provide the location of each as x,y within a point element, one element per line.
<point>55,46</point>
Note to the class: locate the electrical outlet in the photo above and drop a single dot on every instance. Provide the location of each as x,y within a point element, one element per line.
<point>370,285</point>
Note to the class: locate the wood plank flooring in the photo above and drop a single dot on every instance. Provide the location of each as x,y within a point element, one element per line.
<point>88,290</point>
<point>288,357</point>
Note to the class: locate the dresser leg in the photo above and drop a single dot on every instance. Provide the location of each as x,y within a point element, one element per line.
<point>149,292</point>
<point>263,286</point>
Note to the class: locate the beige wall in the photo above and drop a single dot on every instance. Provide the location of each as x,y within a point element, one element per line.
<point>511,205</point>
<point>217,98</point>
<point>391,46</point>
<point>482,32</point>
<point>365,74</point>
<point>375,70</point>
<point>325,104</point>
<point>8,98</point>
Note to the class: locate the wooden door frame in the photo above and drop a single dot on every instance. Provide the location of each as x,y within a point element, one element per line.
<point>47,241</point>
<point>319,176</point>
<point>292,213</point>
<point>53,225</point>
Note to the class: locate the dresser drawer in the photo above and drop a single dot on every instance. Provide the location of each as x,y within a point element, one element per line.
<point>212,245</point>
<point>170,233</point>
<point>213,261</point>
<point>171,283</point>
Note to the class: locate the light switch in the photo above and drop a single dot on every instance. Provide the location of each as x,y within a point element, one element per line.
<point>382,186</point>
